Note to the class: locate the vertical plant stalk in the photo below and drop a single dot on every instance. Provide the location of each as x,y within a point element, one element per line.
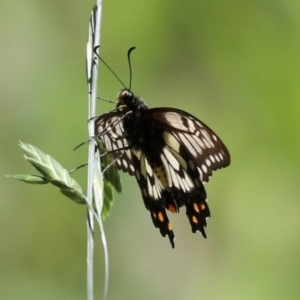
<point>94,185</point>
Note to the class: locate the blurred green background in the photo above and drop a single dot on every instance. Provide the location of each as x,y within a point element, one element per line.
<point>233,64</point>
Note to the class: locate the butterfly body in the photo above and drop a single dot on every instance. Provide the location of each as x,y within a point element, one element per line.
<point>171,154</point>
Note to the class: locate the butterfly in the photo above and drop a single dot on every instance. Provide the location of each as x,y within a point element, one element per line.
<point>171,154</point>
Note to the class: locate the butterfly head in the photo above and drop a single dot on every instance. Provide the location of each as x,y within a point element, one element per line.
<point>128,99</point>
<point>125,97</point>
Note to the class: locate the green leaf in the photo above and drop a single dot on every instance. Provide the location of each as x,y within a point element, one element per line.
<point>108,199</point>
<point>74,195</point>
<point>52,172</point>
<point>33,179</point>
<point>104,187</point>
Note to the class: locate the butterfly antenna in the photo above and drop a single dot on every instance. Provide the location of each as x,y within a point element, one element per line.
<point>108,67</point>
<point>129,62</point>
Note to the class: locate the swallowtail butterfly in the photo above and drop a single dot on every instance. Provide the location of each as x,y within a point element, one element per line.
<point>171,154</point>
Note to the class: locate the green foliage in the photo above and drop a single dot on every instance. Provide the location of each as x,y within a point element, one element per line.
<point>52,172</point>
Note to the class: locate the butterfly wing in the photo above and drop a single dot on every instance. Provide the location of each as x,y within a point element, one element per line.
<point>205,149</point>
<point>109,129</point>
<point>170,185</point>
<point>191,151</point>
<point>154,195</point>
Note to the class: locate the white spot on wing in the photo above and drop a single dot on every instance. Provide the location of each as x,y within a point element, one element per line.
<point>179,158</point>
<point>199,142</point>
<point>166,165</point>
<point>200,173</point>
<point>208,163</point>
<point>187,144</point>
<point>149,186</point>
<point>199,124</point>
<point>148,168</point>
<point>188,180</point>
<point>207,144</point>
<point>191,125</point>
<point>125,163</point>
<point>171,159</point>
<point>183,184</point>
<point>192,140</point>
<point>158,187</point>
<point>107,142</point>
<point>155,194</point>
<point>132,168</point>
<point>171,141</point>
<point>174,178</point>
<point>120,144</point>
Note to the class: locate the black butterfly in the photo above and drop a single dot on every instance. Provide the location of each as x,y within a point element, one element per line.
<point>171,154</point>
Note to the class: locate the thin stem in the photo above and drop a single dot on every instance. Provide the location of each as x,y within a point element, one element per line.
<point>92,77</point>
<point>98,195</point>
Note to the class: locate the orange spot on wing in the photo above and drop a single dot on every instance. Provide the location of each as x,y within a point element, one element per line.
<point>194,219</point>
<point>161,217</point>
<point>203,206</point>
<point>170,227</point>
<point>196,208</point>
<point>172,208</point>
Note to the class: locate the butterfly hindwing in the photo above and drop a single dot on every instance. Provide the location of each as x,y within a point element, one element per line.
<point>184,183</point>
<point>153,193</point>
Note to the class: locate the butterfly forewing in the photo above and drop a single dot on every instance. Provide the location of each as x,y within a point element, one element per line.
<point>114,140</point>
<point>206,149</point>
